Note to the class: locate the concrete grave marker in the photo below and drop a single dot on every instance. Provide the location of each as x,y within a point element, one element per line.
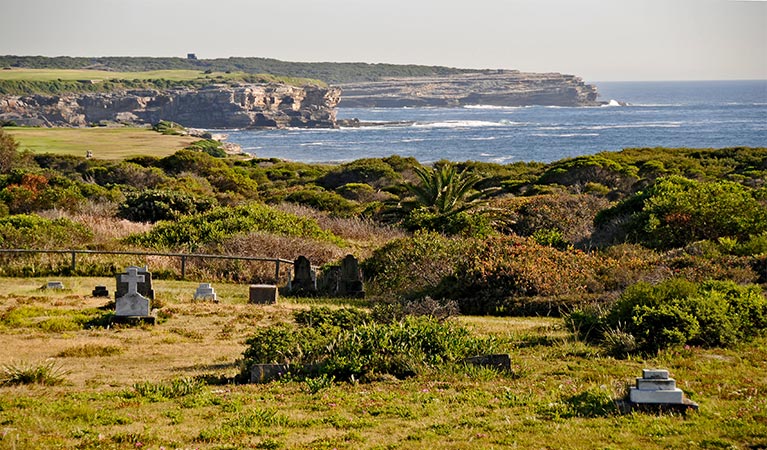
<point>206,292</point>
<point>54,285</point>
<point>132,306</point>
<point>263,294</point>
<point>656,391</point>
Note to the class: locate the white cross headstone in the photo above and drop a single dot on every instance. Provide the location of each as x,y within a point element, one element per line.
<point>133,279</point>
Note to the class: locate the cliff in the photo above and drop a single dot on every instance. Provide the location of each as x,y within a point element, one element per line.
<point>497,88</point>
<point>214,106</point>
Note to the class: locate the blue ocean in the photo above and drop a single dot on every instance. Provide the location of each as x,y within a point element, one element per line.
<point>700,114</point>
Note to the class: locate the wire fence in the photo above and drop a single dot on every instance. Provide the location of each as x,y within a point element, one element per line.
<point>183,258</point>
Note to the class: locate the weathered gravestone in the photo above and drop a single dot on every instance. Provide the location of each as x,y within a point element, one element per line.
<point>132,307</point>
<point>263,294</point>
<point>100,291</point>
<point>144,287</point>
<point>500,362</point>
<point>54,285</point>
<point>656,391</point>
<point>206,292</point>
<point>350,282</point>
<point>304,278</point>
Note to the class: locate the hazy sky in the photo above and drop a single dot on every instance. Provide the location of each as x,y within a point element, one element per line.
<point>597,39</point>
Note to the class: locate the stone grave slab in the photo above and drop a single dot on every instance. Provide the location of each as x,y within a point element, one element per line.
<point>263,294</point>
<point>304,278</point>
<point>655,391</point>
<point>54,285</point>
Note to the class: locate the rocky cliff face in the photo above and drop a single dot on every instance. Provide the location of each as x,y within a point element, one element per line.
<point>498,88</point>
<point>216,106</point>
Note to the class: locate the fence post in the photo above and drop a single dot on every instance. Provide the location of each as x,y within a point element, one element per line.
<point>276,271</point>
<point>74,262</point>
<point>183,266</point>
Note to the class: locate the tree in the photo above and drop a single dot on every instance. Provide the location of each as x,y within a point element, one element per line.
<point>8,152</point>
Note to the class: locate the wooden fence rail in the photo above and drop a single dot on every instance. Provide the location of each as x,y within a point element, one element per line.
<point>182,256</point>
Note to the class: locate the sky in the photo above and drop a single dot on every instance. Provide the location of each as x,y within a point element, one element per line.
<point>598,40</point>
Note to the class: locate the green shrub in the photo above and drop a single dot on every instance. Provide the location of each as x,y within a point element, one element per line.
<point>414,266</point>
<point>31,231</point>
<point>504,267</point>
<point>169,128</point>
<point>323,200</point>
<point>372,171</point>
<point>677,312</point>
<point>210,146</point>
<point>224,222</point>
<point>677,211</point>
<point>321,316</point>
<point>154,205</point>
<point>401,348</point>
<point>463,223</point>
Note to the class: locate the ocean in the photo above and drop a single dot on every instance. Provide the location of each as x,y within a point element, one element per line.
<point>700,114</point>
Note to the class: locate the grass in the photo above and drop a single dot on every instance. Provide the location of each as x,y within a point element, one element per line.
<point>169,387</point>
<point>172,75</point>
<point>105,143</point>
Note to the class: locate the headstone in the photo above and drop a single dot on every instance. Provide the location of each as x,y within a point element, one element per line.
<point>350,283</point>
<point>205,292</point>
<point>100,291</point>
<point>655,390</point>
<point>304,278</point>
<point>144,287</point>
<point>54,285</point>
<point>132,306</point>
<point>263,294</point>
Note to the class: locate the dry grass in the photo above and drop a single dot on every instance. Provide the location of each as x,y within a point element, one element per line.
<point>105,143</point>
<point>363,235</point>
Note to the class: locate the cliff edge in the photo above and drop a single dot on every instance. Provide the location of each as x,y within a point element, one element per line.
<point>496,88</point>
<point>215,106</point>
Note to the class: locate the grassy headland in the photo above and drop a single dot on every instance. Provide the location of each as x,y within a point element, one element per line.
<point>28,81</point>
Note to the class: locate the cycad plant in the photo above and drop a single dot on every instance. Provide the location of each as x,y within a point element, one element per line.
<point>446,191</point>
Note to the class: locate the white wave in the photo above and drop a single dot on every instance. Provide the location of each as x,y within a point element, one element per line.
<point>565,134</point>
<point>486,154</point>
<point>457,124</point>
<point>501,159</point>
<point>312,144</point>
<point>488,138</point>
<point>635,125</point>
<point>412,140</point>
<point>490,107</point>
<point>613,102</point>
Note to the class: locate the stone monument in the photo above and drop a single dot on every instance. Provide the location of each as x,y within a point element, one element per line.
<point>656,391</point>
<point>263,294</point>
<point>132,306</point>
<point>144,287</point>
<point>206,292</point>
<point>304,278</point>
<point>100,291</point>
<point>350,282</point>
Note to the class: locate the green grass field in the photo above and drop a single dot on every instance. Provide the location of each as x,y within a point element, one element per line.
<point>73,75</point>
<point>164,386</point>
<point>105,143</point>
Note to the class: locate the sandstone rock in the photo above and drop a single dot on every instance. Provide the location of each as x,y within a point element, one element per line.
<point>496,88</point>
<point>215,106</point>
